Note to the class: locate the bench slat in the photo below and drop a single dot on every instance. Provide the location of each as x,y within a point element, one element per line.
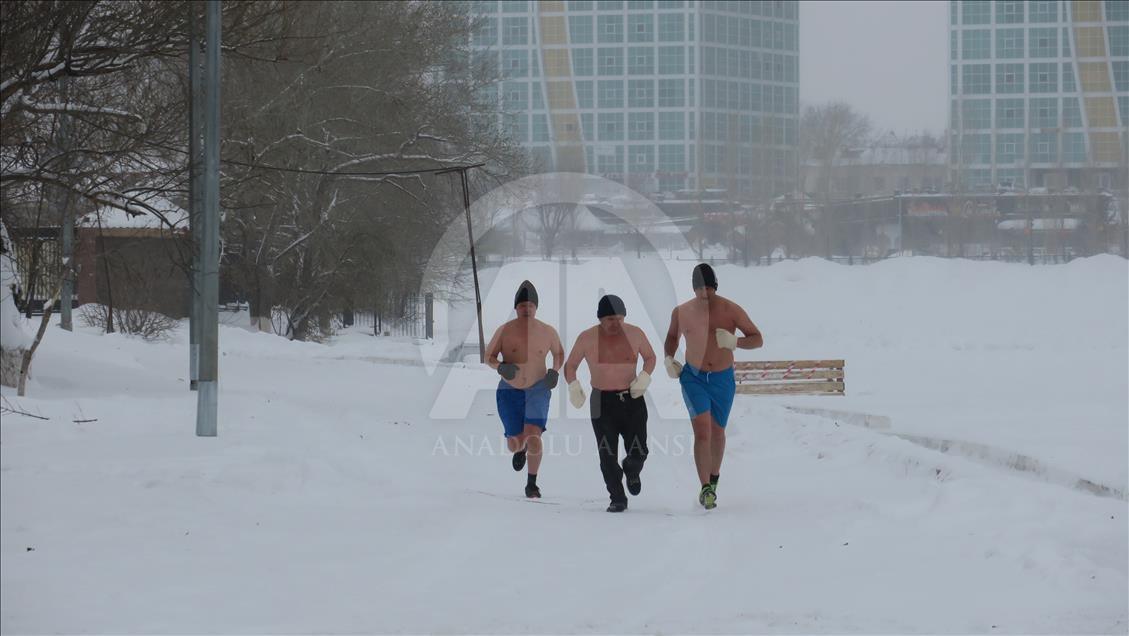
<point>818,388</point>
<point>761,365</point>
<point>785,374</point>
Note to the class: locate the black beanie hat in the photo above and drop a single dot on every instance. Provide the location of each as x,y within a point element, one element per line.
<point>704,276</point>
<point>611,305</point>
<point>526,292</point>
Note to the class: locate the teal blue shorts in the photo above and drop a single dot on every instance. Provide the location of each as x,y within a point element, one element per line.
<point>711,391</point>
<point>518,407</point>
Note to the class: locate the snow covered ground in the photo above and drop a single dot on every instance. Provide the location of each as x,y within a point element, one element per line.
<point>973,480</point>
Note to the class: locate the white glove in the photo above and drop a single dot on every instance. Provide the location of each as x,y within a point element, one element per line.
<point>726,340</point>
<point>673,367</point>
<point>640,384</point>
<point>576,394</point>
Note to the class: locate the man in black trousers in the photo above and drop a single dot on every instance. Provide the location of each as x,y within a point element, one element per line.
<point>612,349</point>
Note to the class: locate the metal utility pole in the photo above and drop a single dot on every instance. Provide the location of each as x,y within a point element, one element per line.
<point>66,297</point>
<point>462,170</point>
<point>195,127</point>
<point>207,386</point>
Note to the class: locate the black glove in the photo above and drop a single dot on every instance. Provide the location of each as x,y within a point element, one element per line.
<point>551,379</point>
<point>507,370</point>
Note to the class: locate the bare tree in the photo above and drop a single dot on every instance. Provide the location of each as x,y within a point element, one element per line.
<point>825,131</point>
<point>555,221</point>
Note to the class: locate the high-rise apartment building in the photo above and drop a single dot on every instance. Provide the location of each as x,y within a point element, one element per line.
<point>661,95</point>
<point>1039,94</point>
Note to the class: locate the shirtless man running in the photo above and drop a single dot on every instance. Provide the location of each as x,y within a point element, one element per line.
<point>612,349</point>
<point>523,391</point>
<point>708,322</point>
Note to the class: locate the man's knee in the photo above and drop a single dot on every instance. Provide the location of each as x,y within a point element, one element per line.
<point>703,426</point>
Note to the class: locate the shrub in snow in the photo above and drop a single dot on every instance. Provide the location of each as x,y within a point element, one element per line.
<point>150,325</point>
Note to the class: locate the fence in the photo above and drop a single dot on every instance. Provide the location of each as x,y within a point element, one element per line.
<point>39,265</point>
<point>411,315</point>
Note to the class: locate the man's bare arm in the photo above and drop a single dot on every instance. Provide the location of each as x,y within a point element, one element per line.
<point>557,350</point>
<point>646,351</point>
<point>670,345</point>
<point>574,357</point>
<point>494,348</point>
<point>752,338</point>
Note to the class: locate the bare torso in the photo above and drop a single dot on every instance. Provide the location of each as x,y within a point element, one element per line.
<point>697,320</point>
<point>613,359</point>
<point>525,342</point>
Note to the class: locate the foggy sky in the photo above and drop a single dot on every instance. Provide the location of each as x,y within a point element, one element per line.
<point>887,59</point>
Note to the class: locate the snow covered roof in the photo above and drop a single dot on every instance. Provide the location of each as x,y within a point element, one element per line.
<point>171,216</point>
<point>1040,224</point>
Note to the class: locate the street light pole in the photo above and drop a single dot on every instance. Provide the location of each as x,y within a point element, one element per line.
<point>207,387</point>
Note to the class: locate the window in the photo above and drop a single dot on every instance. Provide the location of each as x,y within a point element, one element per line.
<point>1044,148</point>
<point>518,127</point>
<point>583,62</point>
<point>515,96</point>
<point>609,94</point>
<point>1089,42</point>
<point>639,5</point>
<point>1071,113</point>
<point>584,94</point>
<point>609,5</point>
<point>1009,148</point>
<point>540,128</point>
<point>1116,10</point>
<point>1009,44</point>
<point>671,60</point>
<point>1042,78</point>
<point>671,27</point>
<point>1009,113</point>
<point>515,63</point>
<point>514,6</point>
<point>641,60</point>
<point>588,125</point>
<point>953,48</point>
<point>672,158</point>
<point>1074,147</point>
<point>976,149</point>
<point>1043,43</point>
<point>580,29</point>
<point>1123,108</point>
<point>671,93</point>
<point>641,126</point>
<point>976,11</point>
<point>641,28</point>
<point>610,61</point>
<point>1044,112</point>
<point>977,79</point>
<point>671,126</point>
<point>642,159</point>
<point>953,9</point>
<point>609,28</point>
<point>977,114</point>
<point>611,126</point>
<point>1068,85</point>
<point>486,33</point>
<point>976,44</point>
<point>1009,78</point>
<point>1121,76</point>
<point>670,4</point>
<point>1009,12</point>
<point>952,77</point>
<point>1042,11</point>
<point>579,5</point>
<point>641,93</point>
<point>1119,40</point>
<point>515,31</point>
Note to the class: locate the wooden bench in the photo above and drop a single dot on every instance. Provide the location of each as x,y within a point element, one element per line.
<point>791,377</point>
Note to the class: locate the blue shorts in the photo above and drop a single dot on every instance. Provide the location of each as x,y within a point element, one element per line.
<point>518,407</point>
<point>708,391</point>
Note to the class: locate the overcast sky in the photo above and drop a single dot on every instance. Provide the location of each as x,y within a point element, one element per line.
<point>887,59</point>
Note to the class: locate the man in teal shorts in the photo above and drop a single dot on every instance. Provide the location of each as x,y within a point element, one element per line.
<point>708,322</point>
<point>524,389</point>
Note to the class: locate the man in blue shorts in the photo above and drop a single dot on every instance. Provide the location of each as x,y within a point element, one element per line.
<point>708,322</point>
<point>523,391</point>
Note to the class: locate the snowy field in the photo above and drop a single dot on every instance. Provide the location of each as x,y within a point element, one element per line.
<point>973,480</point>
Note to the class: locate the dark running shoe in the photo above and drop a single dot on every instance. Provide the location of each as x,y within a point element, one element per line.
<point>617,506</point>
<point>532,492</point>
<point>519,460</point>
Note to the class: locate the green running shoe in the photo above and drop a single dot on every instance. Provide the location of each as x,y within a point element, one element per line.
<point>708,498</point>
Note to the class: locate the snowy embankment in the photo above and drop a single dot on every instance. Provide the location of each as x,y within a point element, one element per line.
<point>350,494</point>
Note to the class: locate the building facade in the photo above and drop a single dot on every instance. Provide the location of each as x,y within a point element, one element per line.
<point>1039,94</point>
<point>886,166</point>
<point>661,95</point>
